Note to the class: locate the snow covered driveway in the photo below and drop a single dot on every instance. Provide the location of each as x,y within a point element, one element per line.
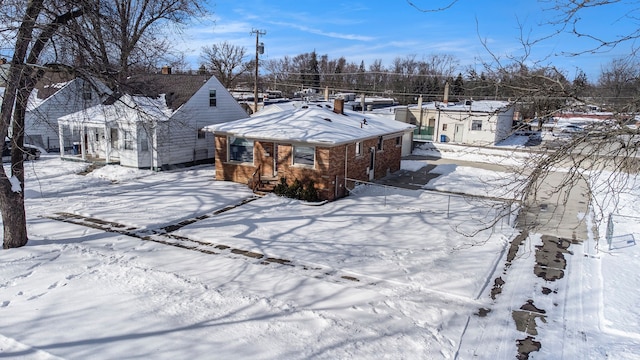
<point>78,292</point>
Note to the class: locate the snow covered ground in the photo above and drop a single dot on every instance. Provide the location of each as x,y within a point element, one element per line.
<point>178,265</point>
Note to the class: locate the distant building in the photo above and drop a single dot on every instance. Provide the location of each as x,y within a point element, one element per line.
<point>481,122</point>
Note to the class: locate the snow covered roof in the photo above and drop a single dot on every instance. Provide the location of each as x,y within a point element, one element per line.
<point>127,109</point>
<point>314,124</point>
<point>488,106</point>
<point>178,88</point>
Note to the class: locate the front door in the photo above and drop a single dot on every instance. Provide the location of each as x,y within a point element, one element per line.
<point>457,135</point>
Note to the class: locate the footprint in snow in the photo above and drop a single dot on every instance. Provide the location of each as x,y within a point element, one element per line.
<point>5,303</point>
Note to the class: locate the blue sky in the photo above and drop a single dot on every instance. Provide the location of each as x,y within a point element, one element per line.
<point>370,30</point>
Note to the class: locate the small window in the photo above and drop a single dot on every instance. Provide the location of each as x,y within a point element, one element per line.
<point>304,155</point>
<point>444,127</point>
<point>240,149</point>
<point>202,134</point>
<point>476,125</point>
<point>399,141</point>
<point>128,140</point>
<point>358,148</point>
<point>87,95</point>
<point>212,98</point>
<point>380,141</point>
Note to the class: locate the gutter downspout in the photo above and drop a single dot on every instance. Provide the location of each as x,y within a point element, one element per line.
<point>436,132</point>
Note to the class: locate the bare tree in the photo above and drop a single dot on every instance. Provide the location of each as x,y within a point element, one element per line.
<point>608,148</point>
<point>87,38</point>
<point>227,62</point>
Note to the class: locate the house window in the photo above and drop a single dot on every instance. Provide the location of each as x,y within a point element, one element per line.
<point>114,138</point>
<point>476,125</point>
<point>128,140</point>
<point>212,98</point>
<point>202,134</point>
<point>240,149</point>
<point>380,141</point>
<point>444,127</point>
<point>87,95</point>
<point>399,141</point>
<point>304,155</point>
<point>144,142</point>
<point>358,148</point>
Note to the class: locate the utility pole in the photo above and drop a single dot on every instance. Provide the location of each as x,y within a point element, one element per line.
<point>259,50</point>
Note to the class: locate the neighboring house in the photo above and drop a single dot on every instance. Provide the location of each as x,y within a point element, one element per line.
<point>482,122</point>
<point>316,142</point>
<point>55,95</point>
<point>156,124</point>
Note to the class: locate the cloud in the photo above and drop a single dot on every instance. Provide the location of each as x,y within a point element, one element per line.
<point>325,33</point>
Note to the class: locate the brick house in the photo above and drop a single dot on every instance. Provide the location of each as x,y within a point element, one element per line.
<point>314,142</point>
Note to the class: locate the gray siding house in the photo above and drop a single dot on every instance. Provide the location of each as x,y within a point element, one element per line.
<point>155,123</point>
<point>55,95</point>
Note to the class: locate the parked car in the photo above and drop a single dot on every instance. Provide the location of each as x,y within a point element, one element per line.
<point>30,152</point>
<point>571,128</point>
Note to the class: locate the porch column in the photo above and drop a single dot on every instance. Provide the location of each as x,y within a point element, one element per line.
<point>83,151</point>
<point>155,155</point>
<point>107,146</point>
<point>61,138</point>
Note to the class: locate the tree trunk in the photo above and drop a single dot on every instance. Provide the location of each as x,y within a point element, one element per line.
<point>14,219</point>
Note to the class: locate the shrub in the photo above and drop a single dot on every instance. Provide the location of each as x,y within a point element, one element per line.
<point>298,190</point>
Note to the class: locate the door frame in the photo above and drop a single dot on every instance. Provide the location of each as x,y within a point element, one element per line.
<point>457,133</point>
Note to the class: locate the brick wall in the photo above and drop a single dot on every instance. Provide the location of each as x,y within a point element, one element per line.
<point>328,173</point>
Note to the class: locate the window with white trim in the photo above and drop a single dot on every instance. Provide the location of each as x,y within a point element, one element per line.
<point>358,148</point>
<point>144,141</point>
<point>128,140</point>
<point>304,155</point>
<point>212,98</point>
<point>476,125</point>
<point>240,149</point>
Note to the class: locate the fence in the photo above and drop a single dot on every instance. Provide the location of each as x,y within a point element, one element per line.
<point>622,231</point>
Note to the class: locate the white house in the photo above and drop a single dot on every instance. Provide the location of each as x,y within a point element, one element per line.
<point>56,94</point>
<point>482,122</point>
<point>156,124</point>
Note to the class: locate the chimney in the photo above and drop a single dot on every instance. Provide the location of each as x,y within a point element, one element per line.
<point>338,106</point>
<point>445,100</point>
<point>166,70</point>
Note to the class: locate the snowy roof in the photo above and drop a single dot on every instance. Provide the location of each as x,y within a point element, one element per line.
<point>488,106</point>
<point>128,109</point>
<point>313,124</point>
<point>178,88</point>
